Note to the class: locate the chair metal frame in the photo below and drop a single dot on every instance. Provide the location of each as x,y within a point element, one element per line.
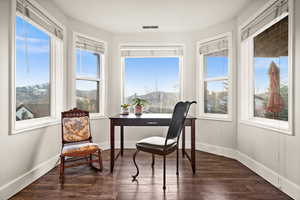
<point>167,149</point>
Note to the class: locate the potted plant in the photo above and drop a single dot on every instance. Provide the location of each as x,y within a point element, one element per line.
<point>139,103</point>
<point>125,109</point>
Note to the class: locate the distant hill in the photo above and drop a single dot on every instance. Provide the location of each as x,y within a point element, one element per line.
<point>158,101</point>
<point>35,94</point>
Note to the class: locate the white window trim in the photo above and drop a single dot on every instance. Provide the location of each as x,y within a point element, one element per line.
<point>247,77</point>
<point>56,77</point>
<point>181,64</point>
<point>200,80</point>
<point>101,79</point>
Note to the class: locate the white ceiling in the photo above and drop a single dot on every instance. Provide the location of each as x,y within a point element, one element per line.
<point>170,15</point>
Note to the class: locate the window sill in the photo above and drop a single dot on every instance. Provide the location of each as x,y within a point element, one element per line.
<point>269,125</point>
<point>28,125</point>
<point>215,117</point>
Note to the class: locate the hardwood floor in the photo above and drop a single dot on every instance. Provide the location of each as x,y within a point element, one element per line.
<point>217,178</point>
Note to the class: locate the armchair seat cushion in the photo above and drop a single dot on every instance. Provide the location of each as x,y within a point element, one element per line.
<point>155,144</point>
<point>79,149</point>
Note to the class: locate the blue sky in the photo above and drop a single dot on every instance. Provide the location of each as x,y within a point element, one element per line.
<point>87,63</point>
<point>261,72</point>
<point>143,75</point>
<point>216,66</point>
<point>38,48</point>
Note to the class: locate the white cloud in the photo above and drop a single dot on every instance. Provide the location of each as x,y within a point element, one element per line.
<point>31,40</point>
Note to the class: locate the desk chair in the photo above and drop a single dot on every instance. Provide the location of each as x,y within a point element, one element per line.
<point>164,146</point>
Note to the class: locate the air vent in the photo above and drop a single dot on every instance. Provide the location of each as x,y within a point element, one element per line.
<point>150,27</point>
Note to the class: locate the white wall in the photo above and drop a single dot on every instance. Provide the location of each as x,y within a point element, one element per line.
<point>133,134</point>
<point>218,133</point>
<point>28,155</point>
<point>22,152</point>
<point>275,151</point>
<point>32,151</point>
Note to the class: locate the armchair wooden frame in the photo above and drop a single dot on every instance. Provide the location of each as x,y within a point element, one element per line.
<point>86,155</point>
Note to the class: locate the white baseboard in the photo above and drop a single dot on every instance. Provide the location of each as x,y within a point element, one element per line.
<point>16,185</point>
<point>282,183</point>
<point>218,150</point>
<point>290,188</point>
<point>285,185</point>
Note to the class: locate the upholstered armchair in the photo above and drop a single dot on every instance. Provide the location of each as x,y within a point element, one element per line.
<point>77,141</point>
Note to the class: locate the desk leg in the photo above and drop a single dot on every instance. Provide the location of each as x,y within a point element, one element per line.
<point>122,139</point>
<point>193,148</point>
<point>112,146</point>
<point>183,141</point>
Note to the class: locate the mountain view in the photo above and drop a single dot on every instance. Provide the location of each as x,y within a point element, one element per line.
<point>32,101</point>
<point>158,102</point>
<point>87,100</point>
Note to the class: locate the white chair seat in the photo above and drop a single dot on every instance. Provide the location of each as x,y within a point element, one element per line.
<point>156,141</point>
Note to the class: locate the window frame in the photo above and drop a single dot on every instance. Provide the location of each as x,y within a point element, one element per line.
<point>100,80</point>
<point>181,64</point>
<point>201,80</point>
<point>247,79</point>
<point>55,79</point>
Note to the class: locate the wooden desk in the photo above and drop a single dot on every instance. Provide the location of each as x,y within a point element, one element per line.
<point>148,120</point>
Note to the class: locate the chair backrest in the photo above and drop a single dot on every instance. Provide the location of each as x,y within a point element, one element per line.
<point>179,115</point>
<point>75,126</point>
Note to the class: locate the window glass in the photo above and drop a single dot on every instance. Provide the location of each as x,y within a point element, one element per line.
<point>88,67</point>
<point>155,79</point>
<point>32,71</point>
<point>216,97</point>
<point>216,82</point>
<point>271,72</point>
<point>87,95</point>
<point>87,63</point>
<point>216,64</point>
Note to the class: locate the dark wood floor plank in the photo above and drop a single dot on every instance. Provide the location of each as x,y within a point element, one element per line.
<point>217,178</point>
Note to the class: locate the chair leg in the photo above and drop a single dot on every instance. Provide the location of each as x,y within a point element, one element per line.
<point>90,160</point>
<point>62,167</point>
<point>164,183</point>
<point>177,162</point>
<point>100,160</point>
<point>137,168</point>
<point>153,161</point>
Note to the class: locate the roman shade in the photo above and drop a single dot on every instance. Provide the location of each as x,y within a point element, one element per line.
<point>27,10</point>
<point>89,44</point>
<point>275,10</point>
<point>212,46</point>
<point>151,50</point>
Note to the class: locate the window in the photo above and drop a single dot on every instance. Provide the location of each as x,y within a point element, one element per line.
<point>214,78</point>
<point>152,73</point>
<point>37,65</point>
<point>89,74</point>
<point>271,72</point>
<point>266,53</point>
<point>32,71</point>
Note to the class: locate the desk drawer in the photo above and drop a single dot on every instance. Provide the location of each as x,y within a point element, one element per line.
<point>145,122</point>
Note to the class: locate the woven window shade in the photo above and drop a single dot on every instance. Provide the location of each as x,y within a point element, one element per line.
<point>90,45</point>
<point>151,51</point>
<point>275,10</point>
<point>28,10</point>
<point>214,46</point>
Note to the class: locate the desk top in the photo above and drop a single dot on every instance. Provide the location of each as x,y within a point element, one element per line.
<point>146,116</point>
